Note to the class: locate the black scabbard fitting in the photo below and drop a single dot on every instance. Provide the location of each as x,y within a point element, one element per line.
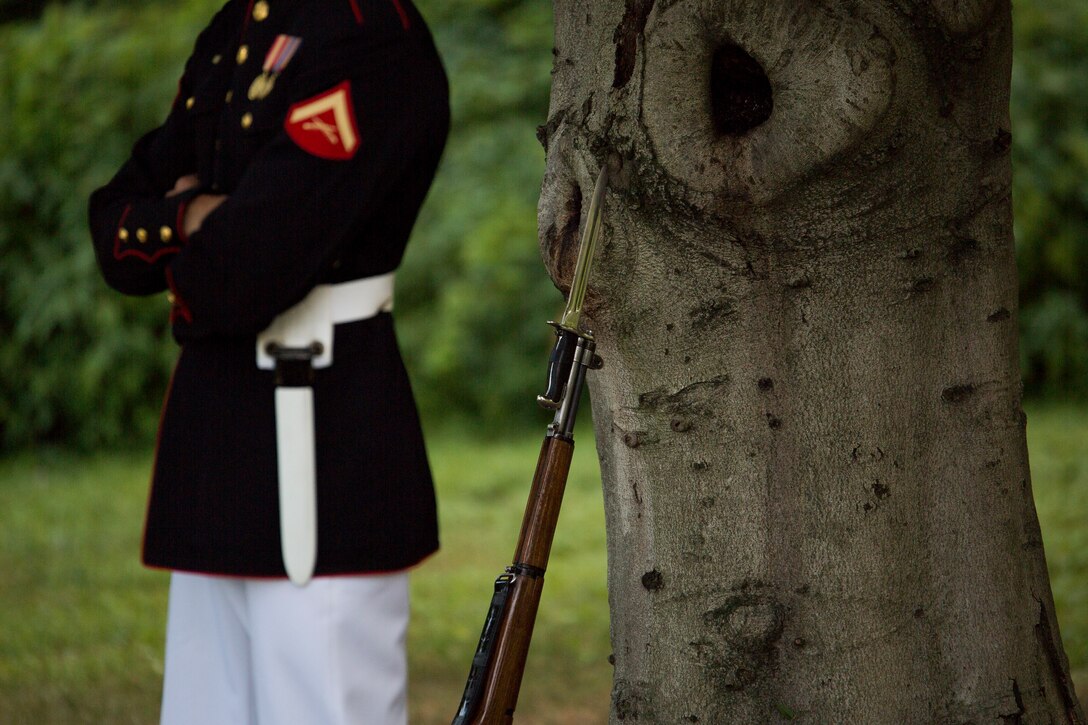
<point>582,359</point>
<point>294,365</point>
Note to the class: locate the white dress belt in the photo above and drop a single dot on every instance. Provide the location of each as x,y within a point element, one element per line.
<point>311,320</point>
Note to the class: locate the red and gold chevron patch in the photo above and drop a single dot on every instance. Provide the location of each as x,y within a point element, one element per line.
<point>325,125</point>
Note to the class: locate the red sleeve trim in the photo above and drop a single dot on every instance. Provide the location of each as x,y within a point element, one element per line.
<point>149,258</point>
<point>403,15</point>
<point>245,20</point>
<point>119,253</point>
<point>117,232</point>
<point>179,308</point>
<point>357,12</point>
<point>179,224</point>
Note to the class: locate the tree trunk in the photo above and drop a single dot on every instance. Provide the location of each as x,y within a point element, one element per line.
<point>809,420</point>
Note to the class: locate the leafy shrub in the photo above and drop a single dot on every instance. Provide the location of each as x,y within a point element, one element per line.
<point>81,364</point>
<point>84,365</point>
<point>473,295</point>
<point>78,362</point>
<point>1050,191</point>
<point>1054,343</point>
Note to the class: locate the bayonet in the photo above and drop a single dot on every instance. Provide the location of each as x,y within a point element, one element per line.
<point>568,330</point>
<point>573,312</point>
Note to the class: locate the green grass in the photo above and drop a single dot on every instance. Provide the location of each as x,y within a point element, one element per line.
<point>482,494</point>
<point>81,621</point>
<point>1058,454</point>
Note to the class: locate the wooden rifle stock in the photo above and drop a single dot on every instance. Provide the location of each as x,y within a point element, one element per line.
<point>494,681</point>
<point>502,681</point>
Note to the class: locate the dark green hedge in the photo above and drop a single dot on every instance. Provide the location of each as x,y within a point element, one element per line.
<point>1050,192</point>
<point>77,362</point>
<point>82,365</point>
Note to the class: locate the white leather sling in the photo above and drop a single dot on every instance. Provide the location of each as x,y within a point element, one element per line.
<point>309,325</point>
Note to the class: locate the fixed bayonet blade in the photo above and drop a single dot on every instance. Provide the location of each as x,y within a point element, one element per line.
<point>568,330</point>
<point>572,314</point>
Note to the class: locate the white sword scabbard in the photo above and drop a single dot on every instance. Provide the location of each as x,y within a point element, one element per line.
<point>302,335</point>
<point>297,481</point>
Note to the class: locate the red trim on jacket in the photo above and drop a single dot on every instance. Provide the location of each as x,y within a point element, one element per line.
<point>117,234</point>
<point>120,254</point>
<point>358,13</point>
<point>283,577</point>
<point>179,224</point>
<point>245,21</point>
<point>403,15</point>
<point>149,258</point>
<point>155,460</point>
<point>179,308</point>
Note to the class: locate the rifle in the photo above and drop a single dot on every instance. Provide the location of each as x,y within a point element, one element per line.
<point>494,680</point>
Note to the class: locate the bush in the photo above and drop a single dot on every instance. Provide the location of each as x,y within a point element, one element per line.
<point>473,295</point>
<point>1050,196</point>
<point>78,362</point>
<point>81,364</point>
<point>84,365</point>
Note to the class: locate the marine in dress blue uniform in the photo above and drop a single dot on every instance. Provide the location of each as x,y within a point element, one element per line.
<point>321,122</point>
<point>325,199</point>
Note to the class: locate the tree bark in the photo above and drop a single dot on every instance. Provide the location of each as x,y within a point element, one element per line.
<point>809,421</point>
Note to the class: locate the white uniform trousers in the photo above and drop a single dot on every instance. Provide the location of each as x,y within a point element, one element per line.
<point>265,652</point>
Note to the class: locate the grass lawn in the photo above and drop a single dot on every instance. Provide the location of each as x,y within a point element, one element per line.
<point>81,621</point>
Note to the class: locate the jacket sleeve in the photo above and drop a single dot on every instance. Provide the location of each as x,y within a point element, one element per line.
<point>361,116</point>
<point>134,226</point>
<point>136,229</point>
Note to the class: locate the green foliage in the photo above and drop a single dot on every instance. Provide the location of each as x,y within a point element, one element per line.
<point>1050,166</point>
<point>79,363</point>
<point>473,295</point>
<point>1054,343</point>
<point>1059,472</point>
<point>83,622</point>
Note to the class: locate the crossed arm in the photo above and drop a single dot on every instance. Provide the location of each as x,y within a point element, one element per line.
<point>199,207</point>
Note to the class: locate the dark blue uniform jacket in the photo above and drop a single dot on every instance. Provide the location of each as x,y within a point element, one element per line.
<point>323,122</point>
